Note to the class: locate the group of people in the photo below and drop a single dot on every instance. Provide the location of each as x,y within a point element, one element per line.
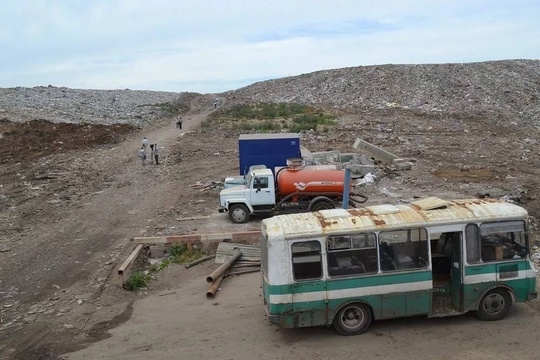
<point>154,152</point>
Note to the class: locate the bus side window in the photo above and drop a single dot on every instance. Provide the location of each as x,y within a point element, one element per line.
<point>403,249</point>
<point>306,260</point>
<point>503,241</point>
<point>351,254</point>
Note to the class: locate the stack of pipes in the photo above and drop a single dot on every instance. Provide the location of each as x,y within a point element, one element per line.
<point>216,277</point>
<point>244,267</point>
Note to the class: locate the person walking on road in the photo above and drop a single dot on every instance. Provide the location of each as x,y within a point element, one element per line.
<point>145,143</point>
<point>179,123</point>
<point>142,155</point>
<point>152,153</point>
<point>156,153</point>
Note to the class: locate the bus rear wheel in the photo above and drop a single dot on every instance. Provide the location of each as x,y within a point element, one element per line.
<point>495,305</point>
<point>353,319</point>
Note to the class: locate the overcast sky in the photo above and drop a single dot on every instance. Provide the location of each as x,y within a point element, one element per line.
<point>212,46</point>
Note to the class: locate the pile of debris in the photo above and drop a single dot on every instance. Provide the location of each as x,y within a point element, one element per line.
<point>206,186</point>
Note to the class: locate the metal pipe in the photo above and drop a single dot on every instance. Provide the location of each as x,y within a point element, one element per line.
<point>245,271</point>
<point>220,270</point>
<point>346,188</point>
<point>200,260</point>
<point>236,266</point>
<point>214,288</point>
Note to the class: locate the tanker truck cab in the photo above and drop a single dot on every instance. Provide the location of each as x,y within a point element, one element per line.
<point>290,190</point>
<point>257,196</point>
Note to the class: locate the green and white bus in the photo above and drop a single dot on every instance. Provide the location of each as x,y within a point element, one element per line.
<point>430,257</point>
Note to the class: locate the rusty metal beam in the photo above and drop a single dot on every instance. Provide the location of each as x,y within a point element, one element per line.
<point>236,266</point>
<point>244,271</point>
<point>198,261</point>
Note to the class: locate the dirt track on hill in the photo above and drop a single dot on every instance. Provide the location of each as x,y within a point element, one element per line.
<point>57,275</point>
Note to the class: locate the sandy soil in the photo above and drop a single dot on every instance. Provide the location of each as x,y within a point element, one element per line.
<point>70,231</point>
<point>184,325</point>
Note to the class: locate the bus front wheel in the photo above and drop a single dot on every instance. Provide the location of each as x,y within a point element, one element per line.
<point>353,319</point>
<point>495,305</point>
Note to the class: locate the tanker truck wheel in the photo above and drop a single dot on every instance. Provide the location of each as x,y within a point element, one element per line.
<point>321,203</point>
<point>239,213</point>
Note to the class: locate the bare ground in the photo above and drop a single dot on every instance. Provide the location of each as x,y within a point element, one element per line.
<point>68,218</point>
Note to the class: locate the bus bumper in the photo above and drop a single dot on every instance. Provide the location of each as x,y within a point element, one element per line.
<point>532,296</point>
<point>273,319</point>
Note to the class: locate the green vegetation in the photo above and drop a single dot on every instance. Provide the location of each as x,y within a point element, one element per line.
<point>137,280</point>
<point>189,256</point>
<point>264,111</point>
<point>157,267</point>
<point>177,250</point>
<point>169,108</point>
<point>309,121</point>
<point>270,117</point>
<point>178,254</point>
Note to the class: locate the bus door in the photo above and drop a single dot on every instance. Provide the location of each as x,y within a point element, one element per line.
<point>308,290</point>
<point>447,268</point>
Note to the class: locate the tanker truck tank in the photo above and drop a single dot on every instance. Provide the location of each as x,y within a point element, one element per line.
<point>291,181</point>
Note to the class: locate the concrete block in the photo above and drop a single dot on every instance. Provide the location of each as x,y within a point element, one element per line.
<point>375,151</point>
<point>157,251</point>
<point>362,169</point>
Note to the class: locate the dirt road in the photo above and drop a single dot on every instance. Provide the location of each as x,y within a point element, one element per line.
<point>177,322</point>
<point>58,276</point>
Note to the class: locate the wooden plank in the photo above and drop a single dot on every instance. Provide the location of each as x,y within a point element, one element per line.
<point>197,217</point>
<point>131,258</point>
<point>150,240</point>
<point>190,238</point>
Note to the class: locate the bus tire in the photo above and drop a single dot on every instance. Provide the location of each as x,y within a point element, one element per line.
<point>321,203</point>
<point>495,305</point>
<point>239,213</point>
<point>353,319</point>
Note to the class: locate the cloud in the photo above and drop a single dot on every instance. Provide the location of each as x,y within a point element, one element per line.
<point>212,46</point>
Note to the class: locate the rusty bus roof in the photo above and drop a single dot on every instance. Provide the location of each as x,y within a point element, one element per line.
<point>425,212</point>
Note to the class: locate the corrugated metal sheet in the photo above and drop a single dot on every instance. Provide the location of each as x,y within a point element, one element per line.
<point>249,252</point>
<point>382,209</point>
<point>432,211</point>
<point>429,203</point>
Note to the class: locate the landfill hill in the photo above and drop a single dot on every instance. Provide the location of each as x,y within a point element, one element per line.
<point>73,192</point>
<point>507,87</point>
